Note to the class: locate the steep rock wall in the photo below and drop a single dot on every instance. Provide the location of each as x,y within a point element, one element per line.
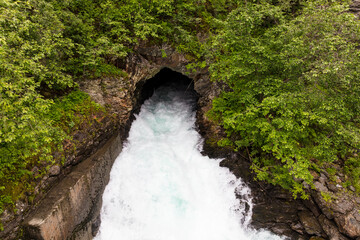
<point>73,207</point>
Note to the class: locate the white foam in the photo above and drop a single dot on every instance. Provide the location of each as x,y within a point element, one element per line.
<point>162,188</point>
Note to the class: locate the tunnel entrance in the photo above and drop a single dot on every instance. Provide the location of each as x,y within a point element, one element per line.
<point>166,76</point>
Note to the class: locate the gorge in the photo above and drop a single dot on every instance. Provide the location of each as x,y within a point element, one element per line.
<point>274,208</point>
<point>276,97</point>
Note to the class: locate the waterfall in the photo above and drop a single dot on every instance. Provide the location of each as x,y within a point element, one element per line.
<point>162,188</point>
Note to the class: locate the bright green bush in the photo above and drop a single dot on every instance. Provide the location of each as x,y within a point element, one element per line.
<point>31,49</point>
<point>294,89</point>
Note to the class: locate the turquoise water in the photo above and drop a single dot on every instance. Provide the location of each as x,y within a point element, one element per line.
<point>162,188</point>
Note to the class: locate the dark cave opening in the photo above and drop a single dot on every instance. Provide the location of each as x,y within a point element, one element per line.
<point>164,77</point>
<point>146,88</point>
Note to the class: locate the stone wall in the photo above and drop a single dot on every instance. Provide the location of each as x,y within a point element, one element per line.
<point>74,205</point>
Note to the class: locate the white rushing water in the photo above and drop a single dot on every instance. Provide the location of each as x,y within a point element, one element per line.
<point>162,188</point>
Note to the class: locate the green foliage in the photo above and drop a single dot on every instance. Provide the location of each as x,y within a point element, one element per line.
<point>331,171</point>
<point>327,196</point>
<point>69,112</point>
<point>352,168</point>
<point>294,90</point>
<point>31,49</point>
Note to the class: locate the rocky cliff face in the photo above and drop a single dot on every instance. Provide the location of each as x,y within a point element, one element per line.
<point>337,218</point>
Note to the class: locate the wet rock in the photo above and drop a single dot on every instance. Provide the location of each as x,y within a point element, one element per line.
<point>95,226</point>
<point>281,229</point>
<point>274,208</point>
<point>311,225</point>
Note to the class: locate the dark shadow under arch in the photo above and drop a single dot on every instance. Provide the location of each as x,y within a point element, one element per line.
<point>164,76</point>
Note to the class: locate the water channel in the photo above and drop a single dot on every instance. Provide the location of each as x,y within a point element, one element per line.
<point>162,188</point>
